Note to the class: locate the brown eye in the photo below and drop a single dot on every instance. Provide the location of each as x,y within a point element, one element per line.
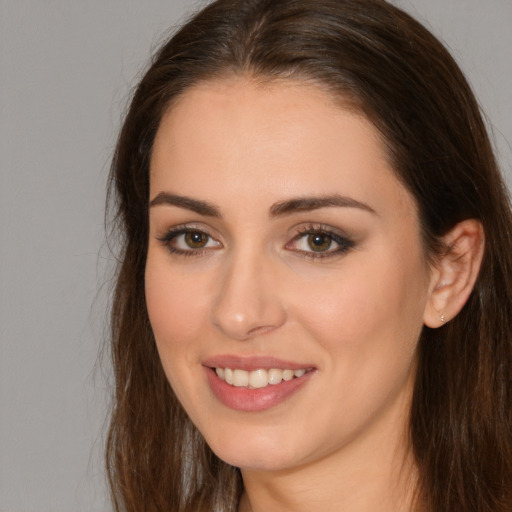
<point>196,239</point>
<point>189,242</point>
<point>319,242</point>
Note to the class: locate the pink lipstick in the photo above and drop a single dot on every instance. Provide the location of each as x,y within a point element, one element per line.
<point>257,383</point>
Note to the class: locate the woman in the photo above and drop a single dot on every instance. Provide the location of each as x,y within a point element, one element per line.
<point>313,306</point>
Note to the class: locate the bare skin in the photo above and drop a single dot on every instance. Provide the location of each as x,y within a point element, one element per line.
<point>339,286</point>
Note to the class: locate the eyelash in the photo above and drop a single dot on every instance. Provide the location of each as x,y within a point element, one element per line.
<point>344,243</point>
<point>174,233</point>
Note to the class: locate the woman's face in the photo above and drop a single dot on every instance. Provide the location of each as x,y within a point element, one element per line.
<point>286,281</point>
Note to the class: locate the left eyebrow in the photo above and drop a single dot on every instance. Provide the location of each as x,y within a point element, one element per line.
<point>305,204</point>
<point>188,203</point>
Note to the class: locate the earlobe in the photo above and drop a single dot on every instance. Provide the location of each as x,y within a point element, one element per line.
<point>455,272</point>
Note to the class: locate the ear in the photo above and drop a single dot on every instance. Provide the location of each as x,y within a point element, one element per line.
<point>455,272</point>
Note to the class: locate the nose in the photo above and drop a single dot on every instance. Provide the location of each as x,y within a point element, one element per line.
<point>248,303</point>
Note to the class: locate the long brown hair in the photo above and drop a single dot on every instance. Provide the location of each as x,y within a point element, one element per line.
<point>393,70</point>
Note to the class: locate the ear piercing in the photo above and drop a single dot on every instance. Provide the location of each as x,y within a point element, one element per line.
<point>442,318</point>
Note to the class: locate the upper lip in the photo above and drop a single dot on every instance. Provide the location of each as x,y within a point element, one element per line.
<point>250,363</point>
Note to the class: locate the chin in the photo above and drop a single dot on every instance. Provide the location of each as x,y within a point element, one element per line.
<point>255,460</point>
<point>250,452</point>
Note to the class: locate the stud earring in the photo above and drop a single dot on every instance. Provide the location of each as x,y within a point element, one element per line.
<point>442,318</point>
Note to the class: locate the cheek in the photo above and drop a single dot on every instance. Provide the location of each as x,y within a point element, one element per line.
<point>173,298</point>
<point>367,326</point>
<point>176,314</point>
<point>367,314</point>
<point>177,311</point>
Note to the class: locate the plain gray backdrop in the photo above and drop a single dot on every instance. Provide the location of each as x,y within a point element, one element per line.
<point>67,67</point>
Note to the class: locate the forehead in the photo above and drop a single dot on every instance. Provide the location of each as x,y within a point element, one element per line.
<point>276,139</point>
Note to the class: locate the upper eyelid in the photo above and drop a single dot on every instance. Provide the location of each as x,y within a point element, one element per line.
<point>295,233</point>
<point>183,228</point>
<point>336,237</point>
<point>321,228</point>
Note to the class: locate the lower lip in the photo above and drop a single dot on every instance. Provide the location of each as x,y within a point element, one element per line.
<point>257,399</point>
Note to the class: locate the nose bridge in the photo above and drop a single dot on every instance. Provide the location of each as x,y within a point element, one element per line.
<point>248,301</point>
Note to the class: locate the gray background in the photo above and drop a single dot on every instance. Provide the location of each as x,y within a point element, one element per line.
<point>65,73</point>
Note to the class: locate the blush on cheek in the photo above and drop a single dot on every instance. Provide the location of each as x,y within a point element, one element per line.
<point>172,307</point>
<point>351,315</point>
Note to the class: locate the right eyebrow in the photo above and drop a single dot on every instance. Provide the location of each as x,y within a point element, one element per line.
<point>195,205</point>
<point>306,204</point>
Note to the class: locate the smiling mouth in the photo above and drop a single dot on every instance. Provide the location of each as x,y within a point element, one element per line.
<point>256,383</point>
<point>257,379</point>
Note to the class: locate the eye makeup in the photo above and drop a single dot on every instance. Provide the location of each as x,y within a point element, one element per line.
<point>319,241</point>
<point>313,241</point>
<point>189,240</point>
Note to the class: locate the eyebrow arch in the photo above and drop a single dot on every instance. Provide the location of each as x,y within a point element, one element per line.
<point>305,204</point>
<point>195,205</point>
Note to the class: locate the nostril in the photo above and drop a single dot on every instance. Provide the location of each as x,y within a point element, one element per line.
<point>256,331</point>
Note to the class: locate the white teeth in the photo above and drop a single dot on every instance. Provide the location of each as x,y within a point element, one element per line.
<point>275,376</point>
<point>240,378</point>
<point>257,378</point>
<point>228,376</point>
<point>287,374</point>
